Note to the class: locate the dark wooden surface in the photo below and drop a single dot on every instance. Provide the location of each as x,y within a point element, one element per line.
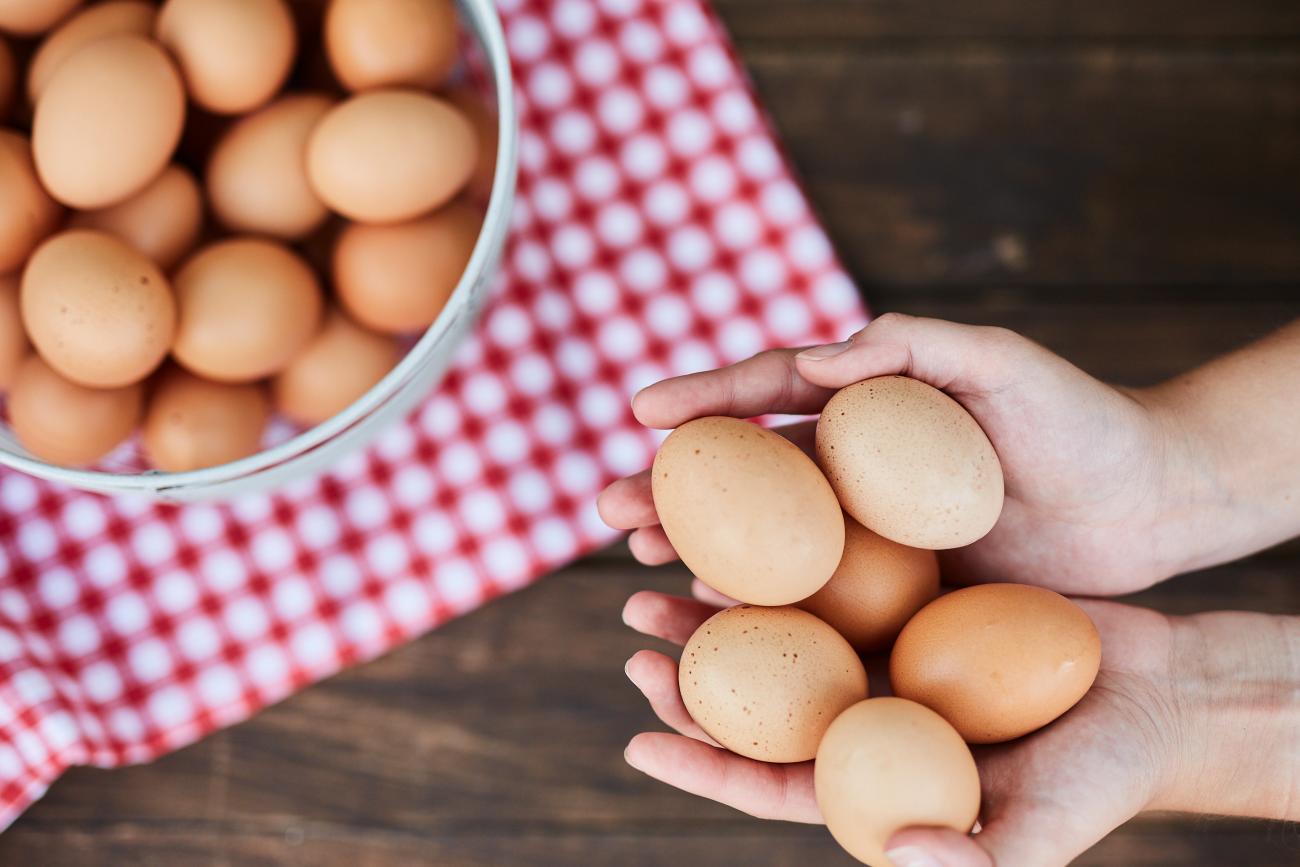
<point>1119,180</point>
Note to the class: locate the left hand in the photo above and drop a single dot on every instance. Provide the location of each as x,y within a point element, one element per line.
<point>1182,708</point>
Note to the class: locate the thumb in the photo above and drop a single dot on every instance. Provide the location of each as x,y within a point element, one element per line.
<point>935,847</point>
<point>960,359</point>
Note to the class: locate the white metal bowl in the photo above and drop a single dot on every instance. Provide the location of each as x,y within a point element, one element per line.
<point>313,451</point>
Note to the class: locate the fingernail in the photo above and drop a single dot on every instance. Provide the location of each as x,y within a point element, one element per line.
<point>912,856</point>
<point>827,350</point>
<point>627,670</point>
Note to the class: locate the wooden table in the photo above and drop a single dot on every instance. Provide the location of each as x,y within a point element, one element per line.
<point>1118,180</point>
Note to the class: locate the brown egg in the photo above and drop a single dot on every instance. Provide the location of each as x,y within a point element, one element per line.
<point>162,221</point>
<point>391,43</point>
<point>65,423</point>
<point>116,18</point>
<point>107,122</point>
<point>234,55</point>
<point>8,78</point>
<point>257,176</point>
<point>398,278</point>
<point>27,214</point>
<point>31,17</point>
<point>486,129</point>
<point>887,764</point>
<point>340,364</point>
<point>389,156</point>
<point>767,682</point>
<point>192,423</point>
<point>747,511</point>
<point>13,339</point>
<point>247,307</point>
<point>96,309</point>
<point>997,660</point>
<point>910,463</point>
<point>876,589</point>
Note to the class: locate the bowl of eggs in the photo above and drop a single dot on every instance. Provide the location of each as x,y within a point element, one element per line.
<point>239,239</point>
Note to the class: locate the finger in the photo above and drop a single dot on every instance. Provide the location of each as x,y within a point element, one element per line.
<point>763,790</point>
<point>627,503</point>
<point>671,618</point>
<point>709,596</point>
<point>656,676</point>
<point>650,545</point>
<point>927,847</point>
<point>959,359</point>
<point>767,383</point>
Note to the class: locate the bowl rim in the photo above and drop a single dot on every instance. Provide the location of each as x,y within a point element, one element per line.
<point>486,25</point>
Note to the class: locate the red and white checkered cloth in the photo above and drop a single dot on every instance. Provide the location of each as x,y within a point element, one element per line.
<point>657,232</point>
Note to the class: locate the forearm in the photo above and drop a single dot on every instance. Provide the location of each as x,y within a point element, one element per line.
<point>1233,436</point>
<point>1237,699</point>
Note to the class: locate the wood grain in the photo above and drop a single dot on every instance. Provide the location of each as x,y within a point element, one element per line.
<point>1118,180</point>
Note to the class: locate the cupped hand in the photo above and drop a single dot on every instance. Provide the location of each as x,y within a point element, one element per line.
<point>1093,474</point>
<point>1144,737</point>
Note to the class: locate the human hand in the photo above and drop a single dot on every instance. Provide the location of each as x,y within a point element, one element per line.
<point>1094,477</point>
<point>1183,711</point>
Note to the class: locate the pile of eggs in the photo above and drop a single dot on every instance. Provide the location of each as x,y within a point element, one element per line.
<point>835,559</point>
<point>215,211</point>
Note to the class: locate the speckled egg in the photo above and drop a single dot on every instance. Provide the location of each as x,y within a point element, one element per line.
<point>910,463</point>
<point>97,310</point>
<point>876,589</point>
<point>887,764</point>
<point>766,682</point>
<point>997,660</point>
<point>748,512</point>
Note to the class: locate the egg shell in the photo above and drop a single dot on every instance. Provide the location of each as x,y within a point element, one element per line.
<point>767,682</point>
<point>32,17</point>
<point>235,54</point>
<point>193,423</point>
<point>483,118</point>
<point>997,660</point>
<point>388,156</point>
<point>908,462</point>
<point>13,339</point>
<point>247,306</point>
<point>887,764</point>
<point>97,310</point>
<point>68,424</point>
<point>117,18</point>
<point>398,278</point>
<point>340,364</point>
<point>107,122</point>
<point>748,512</point>
<point>8,78</point>
<point>876,589</point>
<point>162,221</point>
<point>27,213</point>
<point>391,43</point>
<point>257,175</point>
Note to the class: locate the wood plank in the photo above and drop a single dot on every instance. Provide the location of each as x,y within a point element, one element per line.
<point>974,167</point>
<point>870,21</point>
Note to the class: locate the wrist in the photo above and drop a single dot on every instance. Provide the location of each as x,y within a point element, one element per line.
<point>1194,525</point>
<point>1235,690</point>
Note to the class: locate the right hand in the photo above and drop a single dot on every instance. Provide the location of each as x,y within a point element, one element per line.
<point>1093,473</point>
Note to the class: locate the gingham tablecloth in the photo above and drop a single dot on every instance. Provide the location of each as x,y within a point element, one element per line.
<point>658,231</point>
